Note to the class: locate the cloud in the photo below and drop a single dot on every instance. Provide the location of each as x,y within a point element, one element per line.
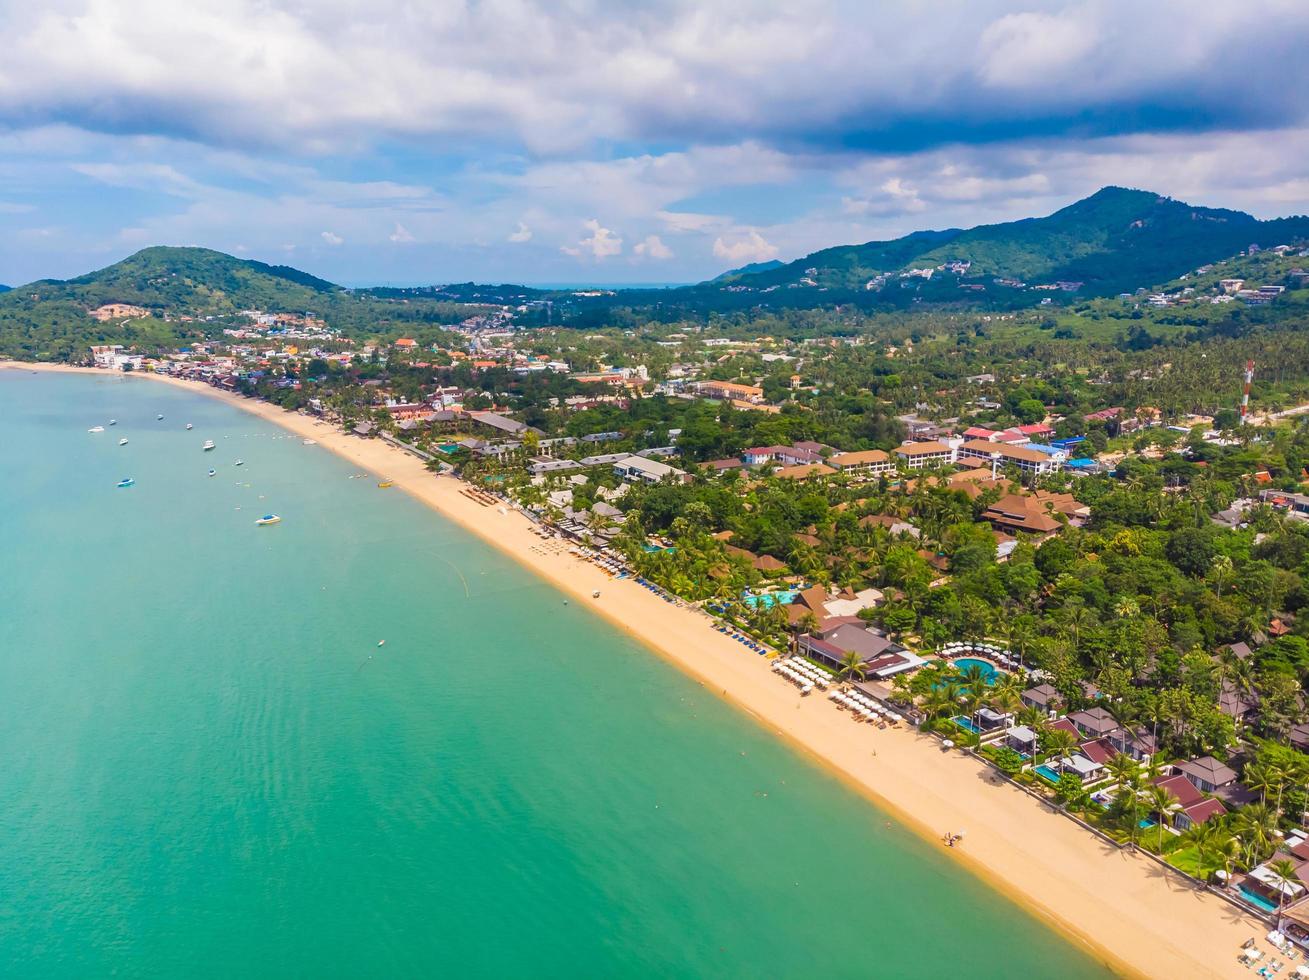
<point>750,248</point>
<point>401,235</point>
<point>554,78</point>
<point>332,238</point>
<point>600,244</point>
<point>520,234</point>
<point>653,248</point>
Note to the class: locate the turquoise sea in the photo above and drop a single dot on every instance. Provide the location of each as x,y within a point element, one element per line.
<point>211,769</point>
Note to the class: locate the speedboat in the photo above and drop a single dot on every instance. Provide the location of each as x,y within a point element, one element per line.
<point>212,472</point>
<point>267,519</point>
<point>96,428</point>
<point>126,481</point>
<point>310,442</point>
<point>188,426</point>
<point>122,442</point>
<point>159,418</point>
<point>113,421</point>
<point>209,444</point>
<point>240,462</point>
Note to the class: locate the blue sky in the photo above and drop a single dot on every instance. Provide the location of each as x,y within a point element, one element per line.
<point>514,140</point>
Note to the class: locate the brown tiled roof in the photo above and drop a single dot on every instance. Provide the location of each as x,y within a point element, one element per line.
<point>922,448</point>
<point>861,458</point>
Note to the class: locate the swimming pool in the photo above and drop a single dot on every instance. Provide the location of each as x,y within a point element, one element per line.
<point>989,671</point>
<point>770,599</point>
<point>1254,898</point>
<point>1046,773</point>
<point>448,447</point>
<point>967,723</point>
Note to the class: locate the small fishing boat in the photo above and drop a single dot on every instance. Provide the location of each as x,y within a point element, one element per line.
<point>310,442</point>
<point>212,472</point>
<point>113,421</point>
<point>189,427</point>
<point>268,519</point>
<point>122,442</point>
<point>96,428</point>
<point>240,462</point>
<point>386,484</point>
<point>126,481</point>
<point>381,643</point>
<point>159,418</point>
<point>209,444</point>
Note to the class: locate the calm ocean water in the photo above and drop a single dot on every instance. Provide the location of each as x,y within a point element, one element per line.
<point>211,769</point>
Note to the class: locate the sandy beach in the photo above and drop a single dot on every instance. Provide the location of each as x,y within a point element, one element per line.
<point>1122,908</point>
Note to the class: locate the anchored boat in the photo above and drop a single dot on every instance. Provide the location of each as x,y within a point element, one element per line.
<point>122,442</point>
<point>209,444</point>
<point>126,481</point>
<point>268,519</point>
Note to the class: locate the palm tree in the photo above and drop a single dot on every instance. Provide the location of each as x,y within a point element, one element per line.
<point>1256,827</point>
<point>852,667</point>
<point>1163,804</point>
<point>1059,742</point>
<point>1284,871</point>
<point>1203,837</point>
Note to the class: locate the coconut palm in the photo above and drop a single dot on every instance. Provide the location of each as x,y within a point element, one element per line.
<point>1284,871</point>
<point>1256,827</point>
<point>1163,804</point>
<point>852,667</point>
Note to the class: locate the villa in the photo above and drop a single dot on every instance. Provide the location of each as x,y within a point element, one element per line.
<point>1043,697</point>
<point>1096,723</point>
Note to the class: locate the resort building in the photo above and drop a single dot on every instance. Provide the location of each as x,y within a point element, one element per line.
<point>916,455</point>
<point>794,455</point>
<point>804,471</point>
<point>633,467</point>
<point>1018,512</point>
<point>869,463</point>
<point>1043,697</point>
<point>1094,723</point>
<point>1207,774</point>
<point>1027,460</point>
<point>880,656</point>
<point>730,391</point>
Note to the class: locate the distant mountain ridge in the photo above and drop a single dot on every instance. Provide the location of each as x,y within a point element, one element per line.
<point>1115,240</point>
<point>748,269</point>
<point>195,281</point>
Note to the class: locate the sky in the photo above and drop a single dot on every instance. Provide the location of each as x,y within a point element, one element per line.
<point>431,141</point>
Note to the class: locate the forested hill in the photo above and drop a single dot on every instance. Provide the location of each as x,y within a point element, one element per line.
<point>180,289</point>
<point>1116,240</point>
<point>191,282</point>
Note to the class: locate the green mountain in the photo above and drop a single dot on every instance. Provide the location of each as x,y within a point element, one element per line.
<point>190,282</point>
<point>188,293</point>
<point>1114,241</point>
<point>750,268</point>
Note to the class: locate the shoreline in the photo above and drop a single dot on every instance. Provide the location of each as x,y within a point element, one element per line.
<point>1118,907</point>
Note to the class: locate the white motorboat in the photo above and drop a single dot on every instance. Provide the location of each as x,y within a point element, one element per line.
<point>209,444</point>
<point>96,428</point>
<point>122,442</point>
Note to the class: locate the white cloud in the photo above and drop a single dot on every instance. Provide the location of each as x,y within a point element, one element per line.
<point>332,238</point>
<point>520,234</point>
<point>653,248</point>
<point>750,248</point>
<point>401,235</point>
<point>600,244</point>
